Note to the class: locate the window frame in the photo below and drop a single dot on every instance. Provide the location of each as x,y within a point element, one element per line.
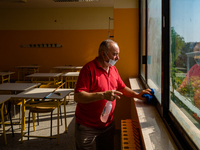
<point>140,42</point>
<point>175,129</point>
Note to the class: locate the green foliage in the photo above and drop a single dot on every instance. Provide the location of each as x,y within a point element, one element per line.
<point>177,43</point>
<point>187,90</point>
<point>179,80</point>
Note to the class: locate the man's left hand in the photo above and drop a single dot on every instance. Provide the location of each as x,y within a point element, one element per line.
<point>146,91</point>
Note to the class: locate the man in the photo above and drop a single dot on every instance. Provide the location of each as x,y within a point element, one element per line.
<point>194,70</point>
<point>99,82</point>
<point>193,78</point>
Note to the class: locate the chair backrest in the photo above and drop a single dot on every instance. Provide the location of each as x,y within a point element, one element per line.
<point>48,86</point>
<point>23,82</point>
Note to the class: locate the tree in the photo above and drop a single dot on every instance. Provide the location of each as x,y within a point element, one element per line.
<point>177,43</point>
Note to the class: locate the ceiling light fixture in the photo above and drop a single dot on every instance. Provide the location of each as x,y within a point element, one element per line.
<point>74,0</point>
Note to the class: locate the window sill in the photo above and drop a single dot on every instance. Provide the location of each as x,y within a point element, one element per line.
<point>154,133</point>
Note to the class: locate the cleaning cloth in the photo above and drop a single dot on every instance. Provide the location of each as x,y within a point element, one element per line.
<point>149,97</point>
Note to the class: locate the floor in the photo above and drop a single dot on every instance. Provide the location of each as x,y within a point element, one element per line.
<point>66,139</point>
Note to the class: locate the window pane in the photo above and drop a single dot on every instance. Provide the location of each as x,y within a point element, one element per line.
<point>185,66</point>
<point>143,38</point>
<point>154,46</point>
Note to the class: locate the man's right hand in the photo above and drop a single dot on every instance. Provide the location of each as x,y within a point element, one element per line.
<point>111,95</point>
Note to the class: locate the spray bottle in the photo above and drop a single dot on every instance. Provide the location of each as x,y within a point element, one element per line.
<point>106,111</point>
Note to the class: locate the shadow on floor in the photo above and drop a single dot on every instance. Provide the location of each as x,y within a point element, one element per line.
<point>66,141</point>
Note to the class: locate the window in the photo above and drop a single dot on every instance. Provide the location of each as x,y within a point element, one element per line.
<point>143,39</point>
<point>154,46</point>
<point>185,66</point>
<point>177,90</point>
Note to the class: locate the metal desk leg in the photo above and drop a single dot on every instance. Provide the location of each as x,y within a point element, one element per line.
<point>23,120</point>
<point>54,81</point>
<point>62,81</point>
<point>9,78</point>
<point>33,116</point>
<point>58,112</point>
<point>2,117</point>
<point>64,104</point>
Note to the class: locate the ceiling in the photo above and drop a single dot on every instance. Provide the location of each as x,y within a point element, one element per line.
<point>52,4</point>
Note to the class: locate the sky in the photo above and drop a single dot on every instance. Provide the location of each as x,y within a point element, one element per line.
<point>185,19</point>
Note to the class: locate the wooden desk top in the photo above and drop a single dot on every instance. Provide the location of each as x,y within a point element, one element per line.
<point>4,98</point>
<point>6,73</point>
<point>39,93</point>
<point>17,86</point>
<point>71,74</point>
<point>68,67</point>
<point>37,75</point>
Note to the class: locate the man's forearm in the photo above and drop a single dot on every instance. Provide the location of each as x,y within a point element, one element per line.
<point>85,97</point>
<point>129,93</point>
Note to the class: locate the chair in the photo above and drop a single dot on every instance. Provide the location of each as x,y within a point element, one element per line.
<point>7,93</point>
<point>50,79</point>
<point>23,81</point>
<point>5,78</point>
<point>3,122</point>
<point>70,83</point>
<point>18,102</point>
<point>40,109</point>
<point>30,70</point>
<point>7,108</point>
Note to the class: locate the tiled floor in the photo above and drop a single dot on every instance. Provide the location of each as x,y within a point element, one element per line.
<point>66,139</point>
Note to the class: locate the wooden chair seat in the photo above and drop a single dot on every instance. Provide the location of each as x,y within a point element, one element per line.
<point>42,109</point>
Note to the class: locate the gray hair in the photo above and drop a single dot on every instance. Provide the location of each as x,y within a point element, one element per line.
<point>105,45</point>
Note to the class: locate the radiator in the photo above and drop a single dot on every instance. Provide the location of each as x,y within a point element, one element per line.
<point>130,135</point>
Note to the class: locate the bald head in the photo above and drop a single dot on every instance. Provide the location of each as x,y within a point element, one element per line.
<point>106,45</point>
<point>197,47</point>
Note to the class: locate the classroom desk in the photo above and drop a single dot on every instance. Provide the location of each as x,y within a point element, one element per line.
<point>5,76</point>
<point>70,78</point>
<point>69,68</point>
<point>3,99</point>
<point>40,93</point>
<point>27,69</point>
<point>17,87</point>
<point>34,77</point>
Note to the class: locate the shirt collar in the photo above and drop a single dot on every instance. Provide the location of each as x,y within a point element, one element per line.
<point>97,63</point>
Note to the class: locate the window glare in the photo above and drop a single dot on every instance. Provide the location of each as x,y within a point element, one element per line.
<point>185,66</point>
<point>154,47</point>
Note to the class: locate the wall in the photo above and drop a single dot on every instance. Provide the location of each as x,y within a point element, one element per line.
<point>79,30</point>
<point>126,30</point>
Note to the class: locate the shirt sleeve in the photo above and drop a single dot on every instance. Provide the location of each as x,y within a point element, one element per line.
<point>189,74</point>
<point>84,80</point>
<point>121,84</point>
